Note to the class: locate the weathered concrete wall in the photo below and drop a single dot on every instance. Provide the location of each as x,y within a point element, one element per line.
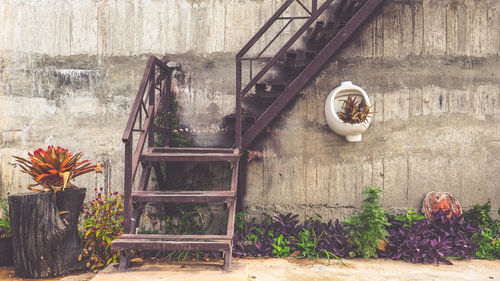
<point>132,27</point>
<point>69,71</point>
<point>432,70</point>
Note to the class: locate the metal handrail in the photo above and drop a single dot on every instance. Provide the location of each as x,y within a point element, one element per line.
<point>263,29</point>
<point>314,13</point>
<point>146,104</point>
<point>310,70</point>
<point>139,99</point>
<point>282,51</point>
<point>137,102</point>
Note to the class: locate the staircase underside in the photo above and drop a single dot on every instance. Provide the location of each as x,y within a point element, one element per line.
<point>300,66</point>
<point>309,72</point>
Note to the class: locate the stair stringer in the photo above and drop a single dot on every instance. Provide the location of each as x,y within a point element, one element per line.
<point>323,57</point>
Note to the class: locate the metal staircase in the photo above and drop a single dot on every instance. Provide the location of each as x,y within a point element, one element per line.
<point>300,60</point>
<point>298,64</point>
<point>153,96</point>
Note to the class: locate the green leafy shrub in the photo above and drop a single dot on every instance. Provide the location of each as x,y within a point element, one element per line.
<point>368,228</point>
<point>175,137</point>
<point>281,246</point>
<point>307,244</point>
<point>102,223</point>
<point>5,221</point>
<point>488,237</point>
<point>410,218</point>
<point>479,215</point>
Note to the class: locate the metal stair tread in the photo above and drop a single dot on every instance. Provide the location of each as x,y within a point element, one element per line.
<point>190,154</point>
<point>158,244</point>
<point>177,237</point>
<point>192,149</point>
<point>183,196</point>
<point>323,55</point>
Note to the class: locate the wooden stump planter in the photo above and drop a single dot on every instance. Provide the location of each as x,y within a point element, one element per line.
<point>44,232</point>
<point>6,251</point>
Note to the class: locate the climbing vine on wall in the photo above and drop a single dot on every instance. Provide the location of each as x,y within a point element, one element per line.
<point>175,137</point>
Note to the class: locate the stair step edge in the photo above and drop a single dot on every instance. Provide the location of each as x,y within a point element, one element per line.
<point>143,244</point>
<point>170,237</point>
<point>183,197</point>
<point>184,192</point>
<point>202,150</point>
<point>188,157</point>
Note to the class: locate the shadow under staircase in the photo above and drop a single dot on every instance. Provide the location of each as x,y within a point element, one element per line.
<point>297,62</point>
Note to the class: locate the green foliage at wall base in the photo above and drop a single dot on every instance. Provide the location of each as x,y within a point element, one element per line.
<point>488,237</point>
<point>368,228</point>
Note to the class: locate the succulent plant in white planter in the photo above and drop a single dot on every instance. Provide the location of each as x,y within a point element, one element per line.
<point>348,111</point>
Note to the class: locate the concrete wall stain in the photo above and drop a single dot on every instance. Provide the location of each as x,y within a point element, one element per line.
<point>69,73</point>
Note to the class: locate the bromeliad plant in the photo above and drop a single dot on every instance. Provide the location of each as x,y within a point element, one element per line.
<point>54,168</point>
<point>354,112</point>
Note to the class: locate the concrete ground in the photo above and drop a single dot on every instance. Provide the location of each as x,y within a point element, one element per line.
<point>7,274</point>
<point>270,269</point>
<point>263,269</point>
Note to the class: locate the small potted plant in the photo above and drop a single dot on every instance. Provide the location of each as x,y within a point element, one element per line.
<point>5,235</point>
<point>354,112</point>
<point>44,223</point>
<point>348,111</point>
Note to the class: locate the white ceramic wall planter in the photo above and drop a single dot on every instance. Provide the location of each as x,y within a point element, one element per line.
<point>334,102</point>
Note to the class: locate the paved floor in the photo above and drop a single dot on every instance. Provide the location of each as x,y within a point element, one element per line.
<point>175,272</point>
<point>267,269</point>
<point>378,269</point>
<point>263,269</point>
<point>7,274</point>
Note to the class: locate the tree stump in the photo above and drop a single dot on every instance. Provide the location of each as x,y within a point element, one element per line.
<point>44,232</point>
<point>6,251</point>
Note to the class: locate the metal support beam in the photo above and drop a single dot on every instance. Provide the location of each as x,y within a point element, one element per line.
<point>309,72</point>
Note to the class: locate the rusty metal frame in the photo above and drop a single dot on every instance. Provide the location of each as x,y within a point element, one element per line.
<point>282,51</point>
<point>305,76</point>
<point>154,92</point>
<point>145,103</point>
<point>240,93</point>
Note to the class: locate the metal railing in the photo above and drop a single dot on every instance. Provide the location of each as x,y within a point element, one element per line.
<point>241,91</point>
<point>153,93</point>
<point>346,18</point>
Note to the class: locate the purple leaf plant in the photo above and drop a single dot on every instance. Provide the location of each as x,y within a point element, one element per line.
<point>255,239</point>
<point>430,241</point>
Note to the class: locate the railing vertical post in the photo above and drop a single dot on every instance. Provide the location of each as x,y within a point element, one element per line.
<point>314,6</point>
<point>127,188</point>
<point>152,81</point>
<point>251,69</point>
<point>237,113</point>
<point>167,86</point>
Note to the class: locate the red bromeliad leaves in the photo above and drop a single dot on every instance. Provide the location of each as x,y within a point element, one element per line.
<point>354,112</point>
<point>54,168</point>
